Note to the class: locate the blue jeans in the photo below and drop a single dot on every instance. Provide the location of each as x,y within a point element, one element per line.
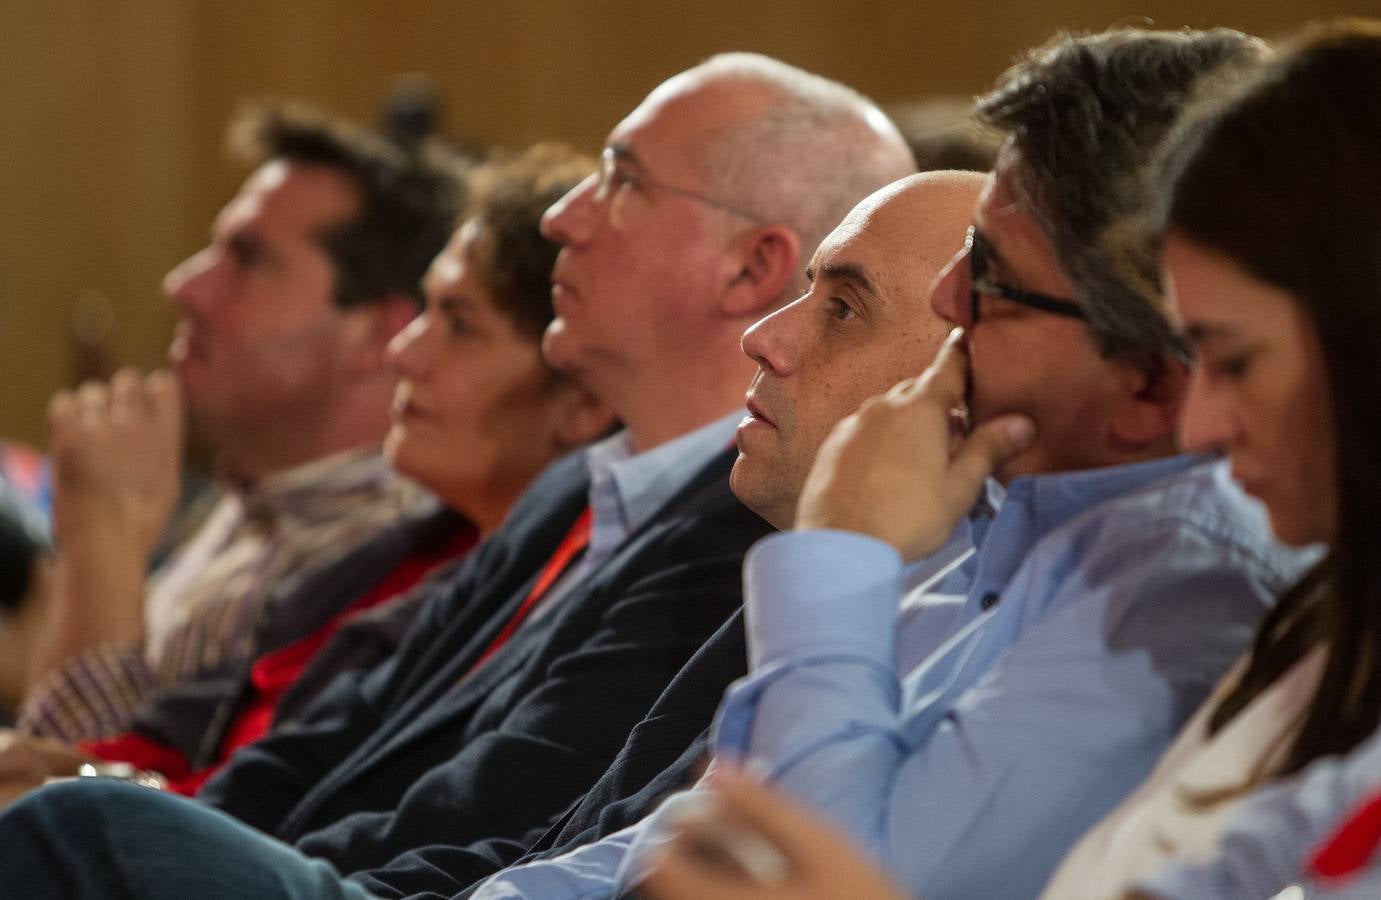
<point>99,838</point>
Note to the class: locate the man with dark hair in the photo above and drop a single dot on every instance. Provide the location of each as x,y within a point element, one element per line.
<point>408,199</point>
<point>279,359</point>
<point>967,729</point>
<point>526,669</point>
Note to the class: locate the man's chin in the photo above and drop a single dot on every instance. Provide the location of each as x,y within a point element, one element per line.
<point>740,477</point>
<point>760,494</point>
<point>556,342</point>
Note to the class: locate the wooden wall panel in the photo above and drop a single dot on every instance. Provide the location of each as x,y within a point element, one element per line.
<point>111,112</point>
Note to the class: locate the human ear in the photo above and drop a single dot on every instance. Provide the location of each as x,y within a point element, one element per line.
<point>765,262</point>
<point>1149,407</point>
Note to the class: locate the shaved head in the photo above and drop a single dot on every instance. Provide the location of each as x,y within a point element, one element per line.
<point>864,324</point>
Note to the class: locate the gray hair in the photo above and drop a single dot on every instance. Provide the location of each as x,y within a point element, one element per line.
<point>814,150</point>
<point>1084,116</point>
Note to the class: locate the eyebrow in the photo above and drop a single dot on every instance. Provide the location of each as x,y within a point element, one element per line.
<point>451,300</point>
<point>624,153</point>
<point>996,261</point>
<point>1201,332</point>
<point>843,272</point>
<point>246,243</point>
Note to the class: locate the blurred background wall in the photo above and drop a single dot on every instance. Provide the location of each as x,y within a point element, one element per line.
<point>111,112</point>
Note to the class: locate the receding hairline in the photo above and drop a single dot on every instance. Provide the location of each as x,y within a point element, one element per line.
<point>795,148</point>
<point>928,211</point>
<point>926,197</point>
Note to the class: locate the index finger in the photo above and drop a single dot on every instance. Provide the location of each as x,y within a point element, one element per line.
<point>947,377</point>
<point>163,396</point>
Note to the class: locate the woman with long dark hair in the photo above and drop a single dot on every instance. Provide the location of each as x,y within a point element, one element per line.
<point>1272,257</point>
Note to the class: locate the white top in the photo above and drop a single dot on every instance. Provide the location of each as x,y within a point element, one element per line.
<point>1172,816</point>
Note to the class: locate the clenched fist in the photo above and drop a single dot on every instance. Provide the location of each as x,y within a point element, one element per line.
<point>116,452</point>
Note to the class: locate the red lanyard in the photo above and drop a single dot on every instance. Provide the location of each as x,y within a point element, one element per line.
<point>576,540</point>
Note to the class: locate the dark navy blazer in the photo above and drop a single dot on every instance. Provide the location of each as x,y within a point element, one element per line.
<point>663,753</point>
<point>405,755</point>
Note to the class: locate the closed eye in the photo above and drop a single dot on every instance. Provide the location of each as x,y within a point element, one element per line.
<point>247,250</point>
<point>1231,366</point>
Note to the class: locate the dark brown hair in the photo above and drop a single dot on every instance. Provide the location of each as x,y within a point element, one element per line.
<point>1084,114</point>
<point>409,200</point>
<point>508,195</point>
<point>1282,177</point>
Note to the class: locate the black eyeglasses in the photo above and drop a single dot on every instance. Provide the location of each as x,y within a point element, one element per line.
<point>980,284</point>
<point>613,173</point>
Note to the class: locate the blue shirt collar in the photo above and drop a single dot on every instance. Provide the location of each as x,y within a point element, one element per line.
<point>1056,497</point>
<point>1005,524</point>
<point>638,484</point>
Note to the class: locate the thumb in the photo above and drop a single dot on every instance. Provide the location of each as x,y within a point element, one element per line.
<point>985,449</point>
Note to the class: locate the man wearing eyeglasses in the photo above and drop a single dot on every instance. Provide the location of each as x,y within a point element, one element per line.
<point>526,669</point>
<point>967,731</point>
<point>1113,581</point>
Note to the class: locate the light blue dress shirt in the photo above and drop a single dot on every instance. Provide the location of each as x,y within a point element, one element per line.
<point>627,489</point>
<point>1267,843</point>
<point>594,869</point>
<point>1055,664</point>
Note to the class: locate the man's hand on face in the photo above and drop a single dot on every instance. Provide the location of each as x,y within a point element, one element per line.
<point>894,471</point>
<point>25,762</point>
<point>116,452</point>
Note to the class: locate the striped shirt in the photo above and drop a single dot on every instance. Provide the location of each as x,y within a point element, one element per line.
<point>203,607</point>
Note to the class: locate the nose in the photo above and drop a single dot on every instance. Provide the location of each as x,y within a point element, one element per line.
<point>1206,419</point>
<point>950,295</point>
<point>196,282</point>
<point>410,350</point>
<point>570,219</point>
<point>775,342</point>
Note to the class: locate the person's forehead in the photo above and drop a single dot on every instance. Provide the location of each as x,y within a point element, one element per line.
<point>674,128</point>
<point>1213,299</point>
<point>1019,247</point>
<point>292,198</point>
<point>897,236</point>
<point>446,267</point>
<point>999,204</point>
<point>868,251</point>
<point>463,257</point>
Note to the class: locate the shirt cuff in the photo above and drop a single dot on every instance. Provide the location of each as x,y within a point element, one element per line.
<point>809,593</point>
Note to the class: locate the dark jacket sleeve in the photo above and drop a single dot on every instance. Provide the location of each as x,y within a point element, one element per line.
<point>663,753</point>
<point>557,740</point>
<point>264,782</point>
